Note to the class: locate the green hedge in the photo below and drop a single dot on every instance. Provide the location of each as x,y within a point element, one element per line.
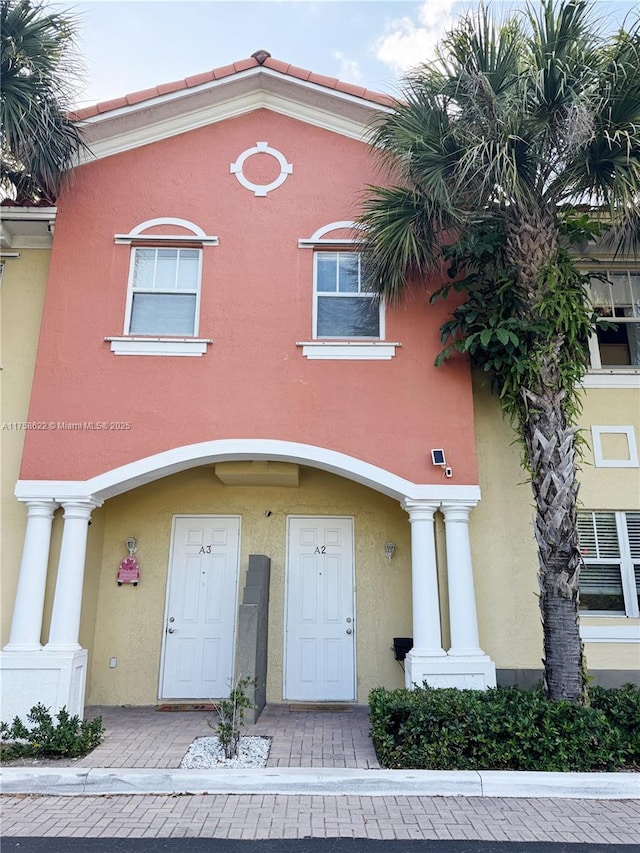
<point>504,729</point>
<point>621,706</point>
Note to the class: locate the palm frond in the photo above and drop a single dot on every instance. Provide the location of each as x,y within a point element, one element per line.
<point>38,71</point>
<point>402,239</point>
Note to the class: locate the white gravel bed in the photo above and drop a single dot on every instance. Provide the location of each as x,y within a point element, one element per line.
<point>206,752</point>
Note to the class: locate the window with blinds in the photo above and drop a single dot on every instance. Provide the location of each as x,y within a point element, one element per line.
<point>344,308</point>
<point>164,292</point>
<point>615,296</point>
<point>610,574</point>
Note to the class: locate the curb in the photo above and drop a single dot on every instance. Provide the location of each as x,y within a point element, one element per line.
<point>67,781</point>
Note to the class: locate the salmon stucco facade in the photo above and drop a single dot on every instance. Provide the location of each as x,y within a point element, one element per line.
<point>229,458</point>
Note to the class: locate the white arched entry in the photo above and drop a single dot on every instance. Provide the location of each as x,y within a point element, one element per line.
<point>24,658</point>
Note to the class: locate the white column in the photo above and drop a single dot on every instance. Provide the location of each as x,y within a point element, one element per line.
<point>427,635</point>
<point>463,618</point>
<point>29,604</point>
<point>67,602</point>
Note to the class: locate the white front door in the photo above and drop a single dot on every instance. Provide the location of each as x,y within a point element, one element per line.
<point>320,620</point>
<point>201,608</point>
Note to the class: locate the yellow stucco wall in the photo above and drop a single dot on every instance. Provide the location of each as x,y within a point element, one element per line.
<point>609,488</point>
<point>130,620</point>
<point>505,557</point>
<point>21,300</point>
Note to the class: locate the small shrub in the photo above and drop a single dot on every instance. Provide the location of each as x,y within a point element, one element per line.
<point>231,713</point>
<point>621,706</point>
<point>70,737</point>
<point>500,729</point>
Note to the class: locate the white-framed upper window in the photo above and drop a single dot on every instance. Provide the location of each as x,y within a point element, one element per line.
<point>610,574</point>
<point>164,291</point>
<point>343,307</point>
<point>615,296</point>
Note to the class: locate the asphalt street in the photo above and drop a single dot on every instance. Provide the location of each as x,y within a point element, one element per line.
<point>304,845</point>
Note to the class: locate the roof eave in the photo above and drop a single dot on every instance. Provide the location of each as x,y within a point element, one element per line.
<point>154,118</point>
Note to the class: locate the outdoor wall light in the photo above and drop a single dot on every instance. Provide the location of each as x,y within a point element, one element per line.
<point>389,548</point>
<point>132,545</point>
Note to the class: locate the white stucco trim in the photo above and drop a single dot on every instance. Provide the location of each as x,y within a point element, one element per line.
<point>150,468</point>
<point>197,234</point>
<point>131,345</point>
<point>612,379</point>
<point>317,238</point>
<point>610,633</point>
<point>261,190</point>
<point>349,350</point>
<point>597,431</point>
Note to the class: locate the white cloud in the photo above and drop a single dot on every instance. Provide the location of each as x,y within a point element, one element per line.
<point>349,68</point>
<point>406,43</point>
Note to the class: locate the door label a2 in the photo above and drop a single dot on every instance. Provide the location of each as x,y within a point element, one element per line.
<point>320,549</point>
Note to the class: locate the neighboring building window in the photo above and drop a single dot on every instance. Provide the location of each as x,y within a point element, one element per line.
<point>615,296</point>
<point>164,292</point>
<point>610,575</point>
<point>343,307</point>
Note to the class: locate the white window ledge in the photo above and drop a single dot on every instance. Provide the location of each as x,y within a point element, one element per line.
<point>349,350</point>
<point>612,378</point>
<point>130,345</point>
<point>610,633</point>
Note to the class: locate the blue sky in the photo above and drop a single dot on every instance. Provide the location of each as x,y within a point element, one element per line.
<point>128,45</point>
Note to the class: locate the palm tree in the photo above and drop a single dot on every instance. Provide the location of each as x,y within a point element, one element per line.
<point>519,139</point>
<point>38,142</point>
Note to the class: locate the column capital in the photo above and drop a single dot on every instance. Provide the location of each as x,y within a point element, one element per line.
<point>80,507</point>
<point>420,510</point>
<point>457,510</point>
<point>40,507</point>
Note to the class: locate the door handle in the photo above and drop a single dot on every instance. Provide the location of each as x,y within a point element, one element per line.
<point>349,631</point>
<point>171,630</point>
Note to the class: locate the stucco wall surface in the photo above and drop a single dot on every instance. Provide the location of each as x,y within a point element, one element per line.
<point>504,550</point>
<point>256,304</point>
<point>21,301</point>
<point>610,488</point>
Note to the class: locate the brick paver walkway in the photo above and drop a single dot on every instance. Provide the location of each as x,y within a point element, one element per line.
<point>144,737</point>
<point>262,816</point>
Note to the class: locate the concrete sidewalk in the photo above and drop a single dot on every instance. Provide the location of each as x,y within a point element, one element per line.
<point>68,781</point>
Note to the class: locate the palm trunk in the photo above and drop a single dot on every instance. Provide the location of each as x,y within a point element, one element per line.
<point>551,453</point>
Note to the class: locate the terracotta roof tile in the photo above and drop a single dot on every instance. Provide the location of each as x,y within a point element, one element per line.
<point>245,64</point>
<point>352,89</point>
<point>143,95</point>
<point>168,88</point>
<point>301,73</point>
<point>380,98</point>
<point>82,114</point>
<point>226,71</point>
<point>321,80</point>
<point>113,104</point>
<point>199,79</point>
<point>276,65</point>
<point>223,71</point>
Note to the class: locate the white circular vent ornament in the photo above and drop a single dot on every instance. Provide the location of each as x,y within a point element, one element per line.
<point>261,189</point>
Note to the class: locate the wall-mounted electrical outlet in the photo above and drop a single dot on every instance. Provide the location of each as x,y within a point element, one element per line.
<point>113,663</point>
